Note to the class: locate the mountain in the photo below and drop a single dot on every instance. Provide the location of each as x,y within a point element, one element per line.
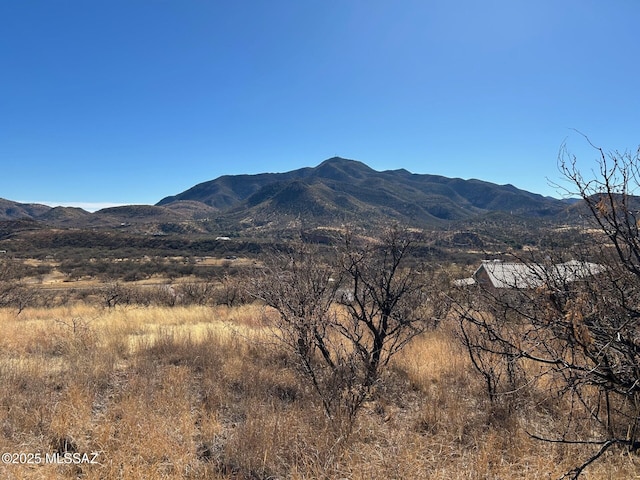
<point>64,216</point>
<point>335,192</point>
<point>133,213</point>
<point>128,215</point>
<point>340,190</point>
<point>13,210</point>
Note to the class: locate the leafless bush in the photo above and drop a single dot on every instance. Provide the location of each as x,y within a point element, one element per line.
<point>342,350</point>
<point>13,293</point>
<point>195,293</point>
<point>77,333</point>
<point>232,291</point>
<point>578,339</point>
<point>116,294</point>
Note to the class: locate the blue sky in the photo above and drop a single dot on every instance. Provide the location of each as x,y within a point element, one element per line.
<point>128,101</point>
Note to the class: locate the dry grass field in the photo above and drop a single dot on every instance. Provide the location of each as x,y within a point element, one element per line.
<point>203,392</point>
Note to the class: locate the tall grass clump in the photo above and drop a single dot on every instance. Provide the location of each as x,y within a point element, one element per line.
<point>202,393</point>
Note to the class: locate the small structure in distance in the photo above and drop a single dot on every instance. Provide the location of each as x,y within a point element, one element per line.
<point>497,274</point>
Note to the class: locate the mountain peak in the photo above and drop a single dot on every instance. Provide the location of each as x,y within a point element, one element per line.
<point>340,161</point>
<point>337,160</point>
<point>338,168</point>
<point>349,189</point>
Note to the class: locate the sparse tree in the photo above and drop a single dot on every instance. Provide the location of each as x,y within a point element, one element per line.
<point>13,293</point>
<point>576,336</point>
<point>195,293</point>
<point>301,289</point>
<point>116,294</point>
<point>391,298</point>
<point>345,319</point>
<point>232,290</point>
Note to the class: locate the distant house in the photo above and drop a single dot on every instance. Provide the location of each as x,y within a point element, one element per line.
<point>499,274</point>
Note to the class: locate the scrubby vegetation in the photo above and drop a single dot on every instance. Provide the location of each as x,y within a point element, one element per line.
<point>174,367</point>
<point>327,354</point>
<point>204,392</point>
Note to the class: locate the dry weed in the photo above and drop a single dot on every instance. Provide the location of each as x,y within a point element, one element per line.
<point>194,393</point>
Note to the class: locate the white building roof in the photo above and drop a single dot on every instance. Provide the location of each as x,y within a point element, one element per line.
<point>521,275</point>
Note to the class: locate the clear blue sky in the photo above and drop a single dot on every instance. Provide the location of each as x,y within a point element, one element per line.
<point>128,101</point>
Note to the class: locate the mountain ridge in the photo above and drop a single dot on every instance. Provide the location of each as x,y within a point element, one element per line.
<point>337,190</point>
<point>397,195</point>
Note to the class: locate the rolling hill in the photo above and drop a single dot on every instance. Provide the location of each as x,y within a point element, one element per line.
<point>336,191</point>
<point>13,210</point>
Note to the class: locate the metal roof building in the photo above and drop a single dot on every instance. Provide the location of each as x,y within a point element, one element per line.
<point>499,274</point>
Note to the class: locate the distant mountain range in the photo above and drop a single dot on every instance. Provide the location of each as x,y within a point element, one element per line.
<point>336,191</point>
<point>350,191</point>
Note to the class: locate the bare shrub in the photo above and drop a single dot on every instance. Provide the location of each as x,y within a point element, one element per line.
<point>577,339</point>
<point>195,293</point>
<point>116,294</point>
<point>76,334</point>
<point>232,290</point>
<point>341,350</point>
<point>13,293</point>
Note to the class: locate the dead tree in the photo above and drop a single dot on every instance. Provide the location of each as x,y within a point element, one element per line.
<point>345,318</point>
<point>301,288</point>
<point>13,292</point>
<point>392,298</point>
<point>581,335</point>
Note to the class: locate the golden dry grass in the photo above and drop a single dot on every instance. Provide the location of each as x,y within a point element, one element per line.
<point>198,392</point>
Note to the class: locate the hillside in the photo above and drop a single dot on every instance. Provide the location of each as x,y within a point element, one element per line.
<point>346,190</point>
<point>336,191</point>
<point>13,210</point>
